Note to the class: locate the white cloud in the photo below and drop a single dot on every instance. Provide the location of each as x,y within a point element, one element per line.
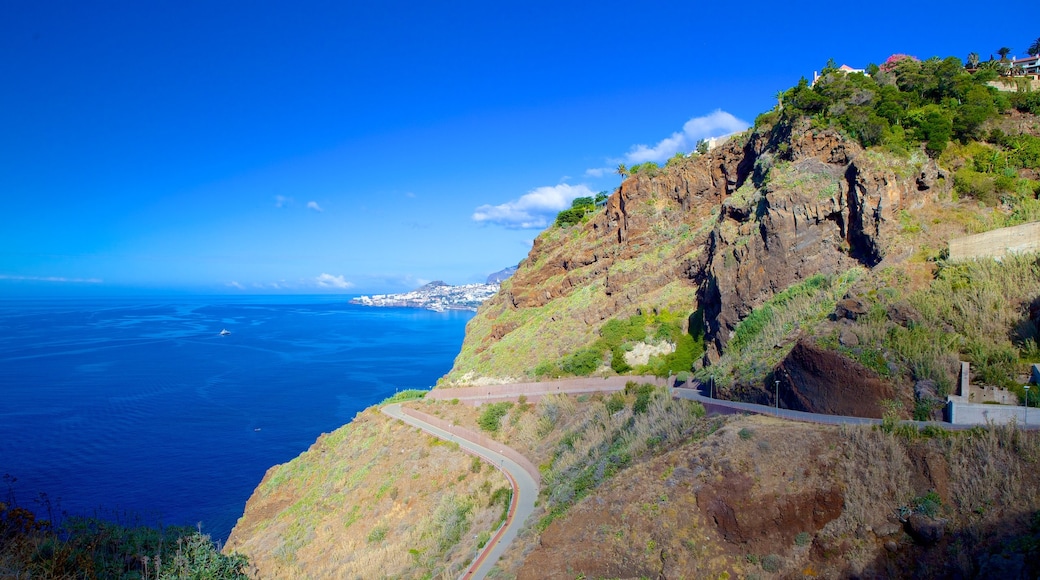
<point>282,201</point>
<point>599,171</point>
<point>534,209</point>
<point>330,281</point>
<point>236,285</point>
<point>52,279</point>
<point>314,205</point>
<point>716,124</point>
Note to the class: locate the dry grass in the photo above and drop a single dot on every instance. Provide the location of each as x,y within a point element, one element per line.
<point>986,468</point>
<point>875,470</point>
<point>375,499</point>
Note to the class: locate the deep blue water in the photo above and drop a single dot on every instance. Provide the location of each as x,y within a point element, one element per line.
<point>140,406</point>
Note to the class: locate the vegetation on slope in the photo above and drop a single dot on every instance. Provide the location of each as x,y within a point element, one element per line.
<point>95,548</point>
<point>907,108</point>
<point>618,336</point>
<point>753,352</point>
<point>759,498</point>
<point>372,499</point>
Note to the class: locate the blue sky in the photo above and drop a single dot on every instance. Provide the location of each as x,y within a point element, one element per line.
<point>300,147</point>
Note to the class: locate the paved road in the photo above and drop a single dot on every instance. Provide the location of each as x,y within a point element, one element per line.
<point>534,391</point>
<point>525,491</point>
<point>525,488</point>
<point>729,407</point>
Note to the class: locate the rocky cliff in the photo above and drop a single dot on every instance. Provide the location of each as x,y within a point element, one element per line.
<point>721,233</point>
<point>806,263</point>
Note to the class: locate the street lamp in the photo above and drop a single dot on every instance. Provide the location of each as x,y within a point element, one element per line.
<point>778,398</point>
<point>1027,406</point>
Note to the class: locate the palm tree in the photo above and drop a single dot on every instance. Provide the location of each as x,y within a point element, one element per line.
<point>1034,49</point>
<point>973,60</point>
<point>779,99</point>
<point>622,171</point>
<point>1003,52</point>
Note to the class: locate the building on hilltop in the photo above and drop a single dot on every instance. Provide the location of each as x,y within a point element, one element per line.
<point>1026,66</point>
<point>843,68</point>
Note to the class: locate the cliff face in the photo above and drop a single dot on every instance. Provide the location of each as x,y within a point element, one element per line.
<point>722,232</point>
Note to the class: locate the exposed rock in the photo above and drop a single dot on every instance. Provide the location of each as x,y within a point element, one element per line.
<point>850,308</point>
<point>925,530</point>
<point>770,521</point>
<point>848,338</point>
<point>925,390</point>
<point>730,229</point>
<point>641,352</point>
<point>888,529</point>
<point>823,381</point>
<point>903,314</point>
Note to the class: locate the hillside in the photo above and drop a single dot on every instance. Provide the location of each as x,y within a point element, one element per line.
<point>752,246</point>
<point>805,259</point>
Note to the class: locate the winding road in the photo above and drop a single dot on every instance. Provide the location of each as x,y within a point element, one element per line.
<point>525,488</point>
<point>523,477</point>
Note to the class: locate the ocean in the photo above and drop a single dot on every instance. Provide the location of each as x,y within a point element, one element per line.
<point>139,410</point>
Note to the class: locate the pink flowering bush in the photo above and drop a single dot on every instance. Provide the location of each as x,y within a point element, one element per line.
<point>891,62</point>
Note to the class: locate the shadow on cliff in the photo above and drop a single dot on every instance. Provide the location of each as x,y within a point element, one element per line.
<point>1005,548</point>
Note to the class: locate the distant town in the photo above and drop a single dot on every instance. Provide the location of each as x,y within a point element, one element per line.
<point>439,296</point>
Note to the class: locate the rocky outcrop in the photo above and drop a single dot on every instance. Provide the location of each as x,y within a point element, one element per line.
<point>723,232</point>
<point>823,381</point>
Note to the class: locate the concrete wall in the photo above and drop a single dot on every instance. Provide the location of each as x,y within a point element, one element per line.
<point>1012,86</point>
<point>1014,240</point>
<point>478,438</point>
<point>960,413</point>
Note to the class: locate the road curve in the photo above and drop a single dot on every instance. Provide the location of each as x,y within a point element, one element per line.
<point>525,490</point>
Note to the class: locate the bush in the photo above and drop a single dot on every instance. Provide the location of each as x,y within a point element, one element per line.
<point>90,547</point>
<point>615,402</point>
<point>772,563</point>
<point>644,393</point>
<point>406,395</point>
<point>582,363</point>
<point>491,418</point>
<point>378,533</point>
<point>928,504</point>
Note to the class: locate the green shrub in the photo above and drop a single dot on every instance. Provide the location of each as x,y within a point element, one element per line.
<point>803,539</point>
<point>582,363</point>
<point>93,548</point>
<point>644,393</point>
<point>746,433</point>
<point>378,533</point>
<point>617,361</point>
<point>406,395</point>
<point>615,402</point>
<point>928,504</point>
<point>772,563</point>
<point>491,418</point>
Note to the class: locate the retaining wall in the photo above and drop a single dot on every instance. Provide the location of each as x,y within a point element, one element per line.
<point>478,438</point>
<point>978,414</point>
<point>994,244</point>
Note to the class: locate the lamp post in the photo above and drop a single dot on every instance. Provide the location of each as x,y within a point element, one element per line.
<point>1027,406</point>
<point>778,398</point>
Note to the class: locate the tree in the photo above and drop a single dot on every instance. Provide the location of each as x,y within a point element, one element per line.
<point>622,171</point>
<point>1034,49</point>
<point>973,60</point>
<point>779,99</point>
<point>1003,52</point>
